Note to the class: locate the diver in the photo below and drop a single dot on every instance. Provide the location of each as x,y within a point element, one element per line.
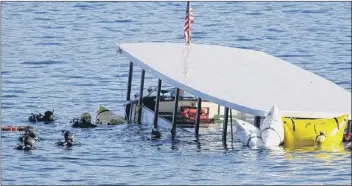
<point>29,131</point>
<point>69,138</point>
<point>47,117</point>
<point>84,122</point>
<point>28,143</point>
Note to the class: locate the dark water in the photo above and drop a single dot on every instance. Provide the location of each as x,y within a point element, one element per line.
<point>62,56</point>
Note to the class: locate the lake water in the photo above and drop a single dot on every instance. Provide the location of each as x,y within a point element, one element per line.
<point>62,56</point>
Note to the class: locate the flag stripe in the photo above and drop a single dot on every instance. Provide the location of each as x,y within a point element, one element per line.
<point>189,19</point>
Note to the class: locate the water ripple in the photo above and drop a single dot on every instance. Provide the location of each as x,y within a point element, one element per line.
<point>49,62</point>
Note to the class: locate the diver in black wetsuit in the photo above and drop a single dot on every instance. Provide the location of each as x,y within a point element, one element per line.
<point>84,122</point>
<point>28,131</point>
<point>27,144</point>
<point>47,117</point>
<point>69,138</point>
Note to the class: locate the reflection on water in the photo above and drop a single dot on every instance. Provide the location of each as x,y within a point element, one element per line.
<point>323,153</point>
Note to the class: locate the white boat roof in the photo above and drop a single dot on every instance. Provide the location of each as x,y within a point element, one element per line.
<point>245,80</point>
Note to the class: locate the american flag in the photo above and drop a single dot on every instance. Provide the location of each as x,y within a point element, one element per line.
<point>189,19</point>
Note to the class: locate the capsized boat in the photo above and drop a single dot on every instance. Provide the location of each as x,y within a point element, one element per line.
<point>242,80</point>
<point>211,114</point>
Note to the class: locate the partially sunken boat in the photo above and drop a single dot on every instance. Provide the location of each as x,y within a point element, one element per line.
<point>246,82</point>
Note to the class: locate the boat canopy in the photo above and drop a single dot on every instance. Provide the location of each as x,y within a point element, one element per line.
<point>246,80</point>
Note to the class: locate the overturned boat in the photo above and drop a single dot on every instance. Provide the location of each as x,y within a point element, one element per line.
<point>220,79</point>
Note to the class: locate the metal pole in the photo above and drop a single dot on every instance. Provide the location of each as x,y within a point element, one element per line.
<point>224,131</point>
<point>156,110</point>
<point>174,114</point>
<point>231,126</point>
<point>218,109</point>
<point>128,97</point>
<point>140,98</point>
<point>130,113</point>
<point>349,123</point>
<point>199,108</point>
<point>257,121</point>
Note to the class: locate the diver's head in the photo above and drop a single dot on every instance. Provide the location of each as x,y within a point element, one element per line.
<point>48,116</point>
<point>68,135</point>
<point>86,117</point>
<point>155,134</point>
<point>30,133</point>
<point>29,129</point>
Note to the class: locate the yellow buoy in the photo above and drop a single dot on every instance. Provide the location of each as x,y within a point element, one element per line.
<point>312,132</point>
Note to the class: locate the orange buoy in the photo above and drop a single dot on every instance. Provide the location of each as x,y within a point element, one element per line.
<point>14,128</point>
<point>9,128</point>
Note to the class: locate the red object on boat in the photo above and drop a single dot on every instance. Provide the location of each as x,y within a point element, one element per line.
<point>190,114</point>
<point>347,137</point>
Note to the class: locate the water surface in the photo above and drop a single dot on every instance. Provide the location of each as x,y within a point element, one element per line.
<point>62,56</point>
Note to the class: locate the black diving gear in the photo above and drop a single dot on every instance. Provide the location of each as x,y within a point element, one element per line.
<point>47,117</point>
<point>35,117</point>
<point>69,138</point>
<point>28,131</point>
<point>27,144</point>
<point>84,122</point>
<point>79,123</point>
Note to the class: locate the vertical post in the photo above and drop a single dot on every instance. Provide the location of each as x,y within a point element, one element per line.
<point>224,131</point>
<point>139,106</point>
<point>257,121</point>
<point>128,96</point>
<point>174,114</point>
<point>199,108</point>
<point>156,110</point>
<point>231,126</point>
<point>349,123</point>
<point>218,109</point>
<point>131,111</point>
